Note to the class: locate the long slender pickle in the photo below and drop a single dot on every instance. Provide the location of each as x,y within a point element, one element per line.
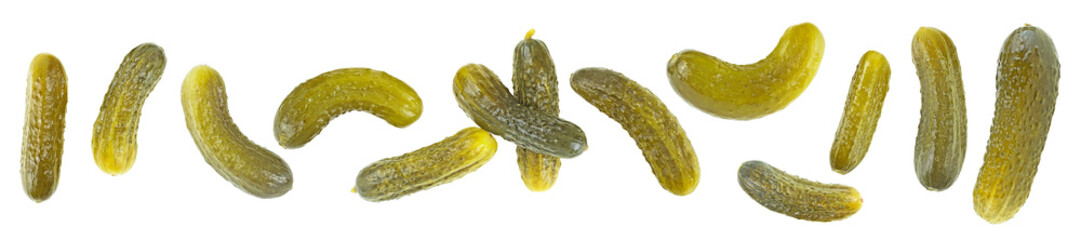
<point>862,109</point>
<point>942,137</point>
<point>240,161</point>
<point>487,101</point>
<point>430,166</point>
<point>314,103</point>
<point>536,87</point>
<point>115,130</point>
<point>749,91</point>
<point>43,131</point>
<point>797,197</point>
<point>656,131</point>
<point>1027,83</point>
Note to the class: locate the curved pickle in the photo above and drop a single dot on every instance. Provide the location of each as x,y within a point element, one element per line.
<point>536,87</point>
<point>492,107</point>
<point>240,161</point>
<point>314,103</point>
<point>654,129</point>
<point>430,166</point>
<point>1027,83</point>
<point>797,197</point>
<point>114,138</point>
<point>862,109</point>
<point>751,91</point>
<point>941,141</point>
<point>43,131</point>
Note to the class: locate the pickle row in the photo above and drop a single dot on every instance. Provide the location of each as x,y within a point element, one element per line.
<point>1027,88</point>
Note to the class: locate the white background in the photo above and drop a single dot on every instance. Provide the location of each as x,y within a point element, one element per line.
<point>264,49</point>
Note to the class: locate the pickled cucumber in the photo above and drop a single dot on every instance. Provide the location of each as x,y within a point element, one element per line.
<point>240,161</point>
<point>941,141</point>
<point>751,91</point>
<point>1027,83</point>
<point>43,131</point>
<point>487,101</point>
<point>862,109</point>
<point>797,197</point>
<point>115,129</point>
<point>430,166</point>
<point>656,131</point>
<point>314,103</point>
<point>536,88</point>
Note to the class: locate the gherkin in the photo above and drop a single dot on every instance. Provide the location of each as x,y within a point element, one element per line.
<point>797,197</point>
<point>1027,89</point>
<point>535,87</point>
<point>240,161</point>
<point>493,108</point>
<point>745,92</point>
<point>115,129</point>
<point>942,136</point>
<point>654,129</point>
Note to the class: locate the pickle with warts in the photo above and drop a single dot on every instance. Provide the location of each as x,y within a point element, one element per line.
<point>1027,89</point>
<point>654,129</point>
<point>43,131</point>
<point>430,166</point>
<point>750,91</point>
<point>313,104</point>
<point>862,109</point>
<point>487,101</point>
<point>797,197</point>
<point>536,87</point>
<point>114,138</point>
<point>240,161</point>
<point>941,140</point>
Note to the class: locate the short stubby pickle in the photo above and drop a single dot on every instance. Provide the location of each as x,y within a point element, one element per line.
<point>484,98</point>
<point>797,197</point>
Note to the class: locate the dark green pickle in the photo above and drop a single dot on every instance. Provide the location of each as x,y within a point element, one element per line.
<point>536,87</point>
<point>492,107</point>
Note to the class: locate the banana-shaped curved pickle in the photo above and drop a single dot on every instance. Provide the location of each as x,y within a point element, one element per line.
<point>797,197</point>
<point>942,136</point>
<point>312,104</point>
<point>115,129</point>
<point>1027,83</point>
<point>430,166</point>
<point>43,131</point>
<point>248,166</point>
<point>536,87</point>
<point>654,129</point>
<point>862,109</point>
<point>746,92</point>
<point>484,99</point>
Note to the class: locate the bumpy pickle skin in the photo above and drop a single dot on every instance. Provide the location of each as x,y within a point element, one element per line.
<point>942,136</point>
<point>745,92</point>
<point>43,131</point>
<point>240,161</point>
<point>654,129</point>
<point>1027,83</point>
<point>862,109</point>
<point>485,99</point>
<point>536,87</point>
<point>313,104</point>
<point>797,197</point>
<point>430,166</point>
<point>114,138</point>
